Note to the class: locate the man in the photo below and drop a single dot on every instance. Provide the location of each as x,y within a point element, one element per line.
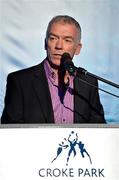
<point>47,94</point>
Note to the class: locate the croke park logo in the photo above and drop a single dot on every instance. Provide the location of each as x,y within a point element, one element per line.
<point>73,145</point>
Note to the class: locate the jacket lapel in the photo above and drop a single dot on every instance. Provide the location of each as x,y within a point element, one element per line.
<point>41,88</point>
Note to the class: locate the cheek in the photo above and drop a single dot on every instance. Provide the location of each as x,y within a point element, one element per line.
<point>71,50</point>
<point>49,50</point>
<point>71,47</point>
<point>75,49</point>
<point>49,45</point>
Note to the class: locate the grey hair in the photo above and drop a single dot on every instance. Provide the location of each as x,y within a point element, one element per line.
<point>65,19</point>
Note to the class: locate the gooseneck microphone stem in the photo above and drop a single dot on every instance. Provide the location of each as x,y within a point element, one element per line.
<point>85,72</point>
<point>100,78</point>
<point>97,87</point>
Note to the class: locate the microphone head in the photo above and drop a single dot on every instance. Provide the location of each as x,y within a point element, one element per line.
<point>66,56</point>
<point>67,64</point>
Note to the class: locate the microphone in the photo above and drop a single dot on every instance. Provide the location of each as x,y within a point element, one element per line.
<point>67,64</point>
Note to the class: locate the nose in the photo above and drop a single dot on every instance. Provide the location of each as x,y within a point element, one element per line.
<point>59,44</point>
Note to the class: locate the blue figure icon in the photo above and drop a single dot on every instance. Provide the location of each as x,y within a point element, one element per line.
<point>72,145</point>
<point>83,150</point>
<point>59,150</point>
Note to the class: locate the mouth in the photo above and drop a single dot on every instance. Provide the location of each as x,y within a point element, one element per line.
<point>57,55</point>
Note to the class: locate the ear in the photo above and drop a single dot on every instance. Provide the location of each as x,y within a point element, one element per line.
<point>78,49</point>
<point>45,44</point>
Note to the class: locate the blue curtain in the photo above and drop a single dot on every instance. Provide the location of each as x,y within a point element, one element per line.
<point>22,32</point>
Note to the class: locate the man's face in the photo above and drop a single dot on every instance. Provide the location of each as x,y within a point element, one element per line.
<point>62,38</point>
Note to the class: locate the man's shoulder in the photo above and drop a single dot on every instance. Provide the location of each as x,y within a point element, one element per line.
<point>86,79</point>
<point>27,71</point>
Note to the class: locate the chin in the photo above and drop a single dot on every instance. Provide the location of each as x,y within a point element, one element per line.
<point>56,62</point>
<point>56,65</point>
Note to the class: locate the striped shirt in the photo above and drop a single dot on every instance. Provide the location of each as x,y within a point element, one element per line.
<point>63,103</point>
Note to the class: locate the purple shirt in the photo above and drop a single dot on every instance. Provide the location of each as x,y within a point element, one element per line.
<point>63,109</point>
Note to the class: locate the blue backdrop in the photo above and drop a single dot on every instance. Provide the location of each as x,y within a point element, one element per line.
<point>23,25</point>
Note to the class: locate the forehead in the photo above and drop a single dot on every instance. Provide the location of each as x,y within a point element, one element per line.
<point>62,28</point>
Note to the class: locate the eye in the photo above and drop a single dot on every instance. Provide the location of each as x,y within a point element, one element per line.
<point>68,40</point>
<point>51,38</point>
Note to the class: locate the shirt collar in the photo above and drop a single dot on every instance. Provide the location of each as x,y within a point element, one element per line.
<point>49,71</point>
<point>51,75</point>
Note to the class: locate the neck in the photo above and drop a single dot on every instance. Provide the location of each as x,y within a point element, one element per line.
<point>63,76</point>
<point>55,68</point>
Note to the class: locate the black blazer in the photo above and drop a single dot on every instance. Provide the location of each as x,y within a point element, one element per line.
<point>28,99</point>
